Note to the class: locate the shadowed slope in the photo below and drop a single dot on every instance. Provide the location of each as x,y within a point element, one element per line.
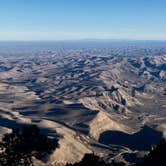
<point>142,140</point>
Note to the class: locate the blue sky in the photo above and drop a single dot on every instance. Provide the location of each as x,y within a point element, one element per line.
<point>82,19</point>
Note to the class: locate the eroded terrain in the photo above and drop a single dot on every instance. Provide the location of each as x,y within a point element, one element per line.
<point>91,99</point>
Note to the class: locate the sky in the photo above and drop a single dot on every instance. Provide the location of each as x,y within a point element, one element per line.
<point>82,19</point>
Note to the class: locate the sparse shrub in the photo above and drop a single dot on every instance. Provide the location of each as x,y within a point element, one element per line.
<point>157,156</point>
<point>18,147</point>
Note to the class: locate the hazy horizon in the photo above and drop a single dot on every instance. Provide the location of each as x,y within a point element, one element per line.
<point>81,39</point>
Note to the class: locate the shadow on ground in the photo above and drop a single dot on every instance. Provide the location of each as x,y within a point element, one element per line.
<point>142,140</point>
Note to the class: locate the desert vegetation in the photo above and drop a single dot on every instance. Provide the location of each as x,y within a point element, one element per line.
<point>20,146</point>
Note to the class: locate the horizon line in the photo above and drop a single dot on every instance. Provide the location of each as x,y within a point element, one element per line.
<point>83,39</point>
